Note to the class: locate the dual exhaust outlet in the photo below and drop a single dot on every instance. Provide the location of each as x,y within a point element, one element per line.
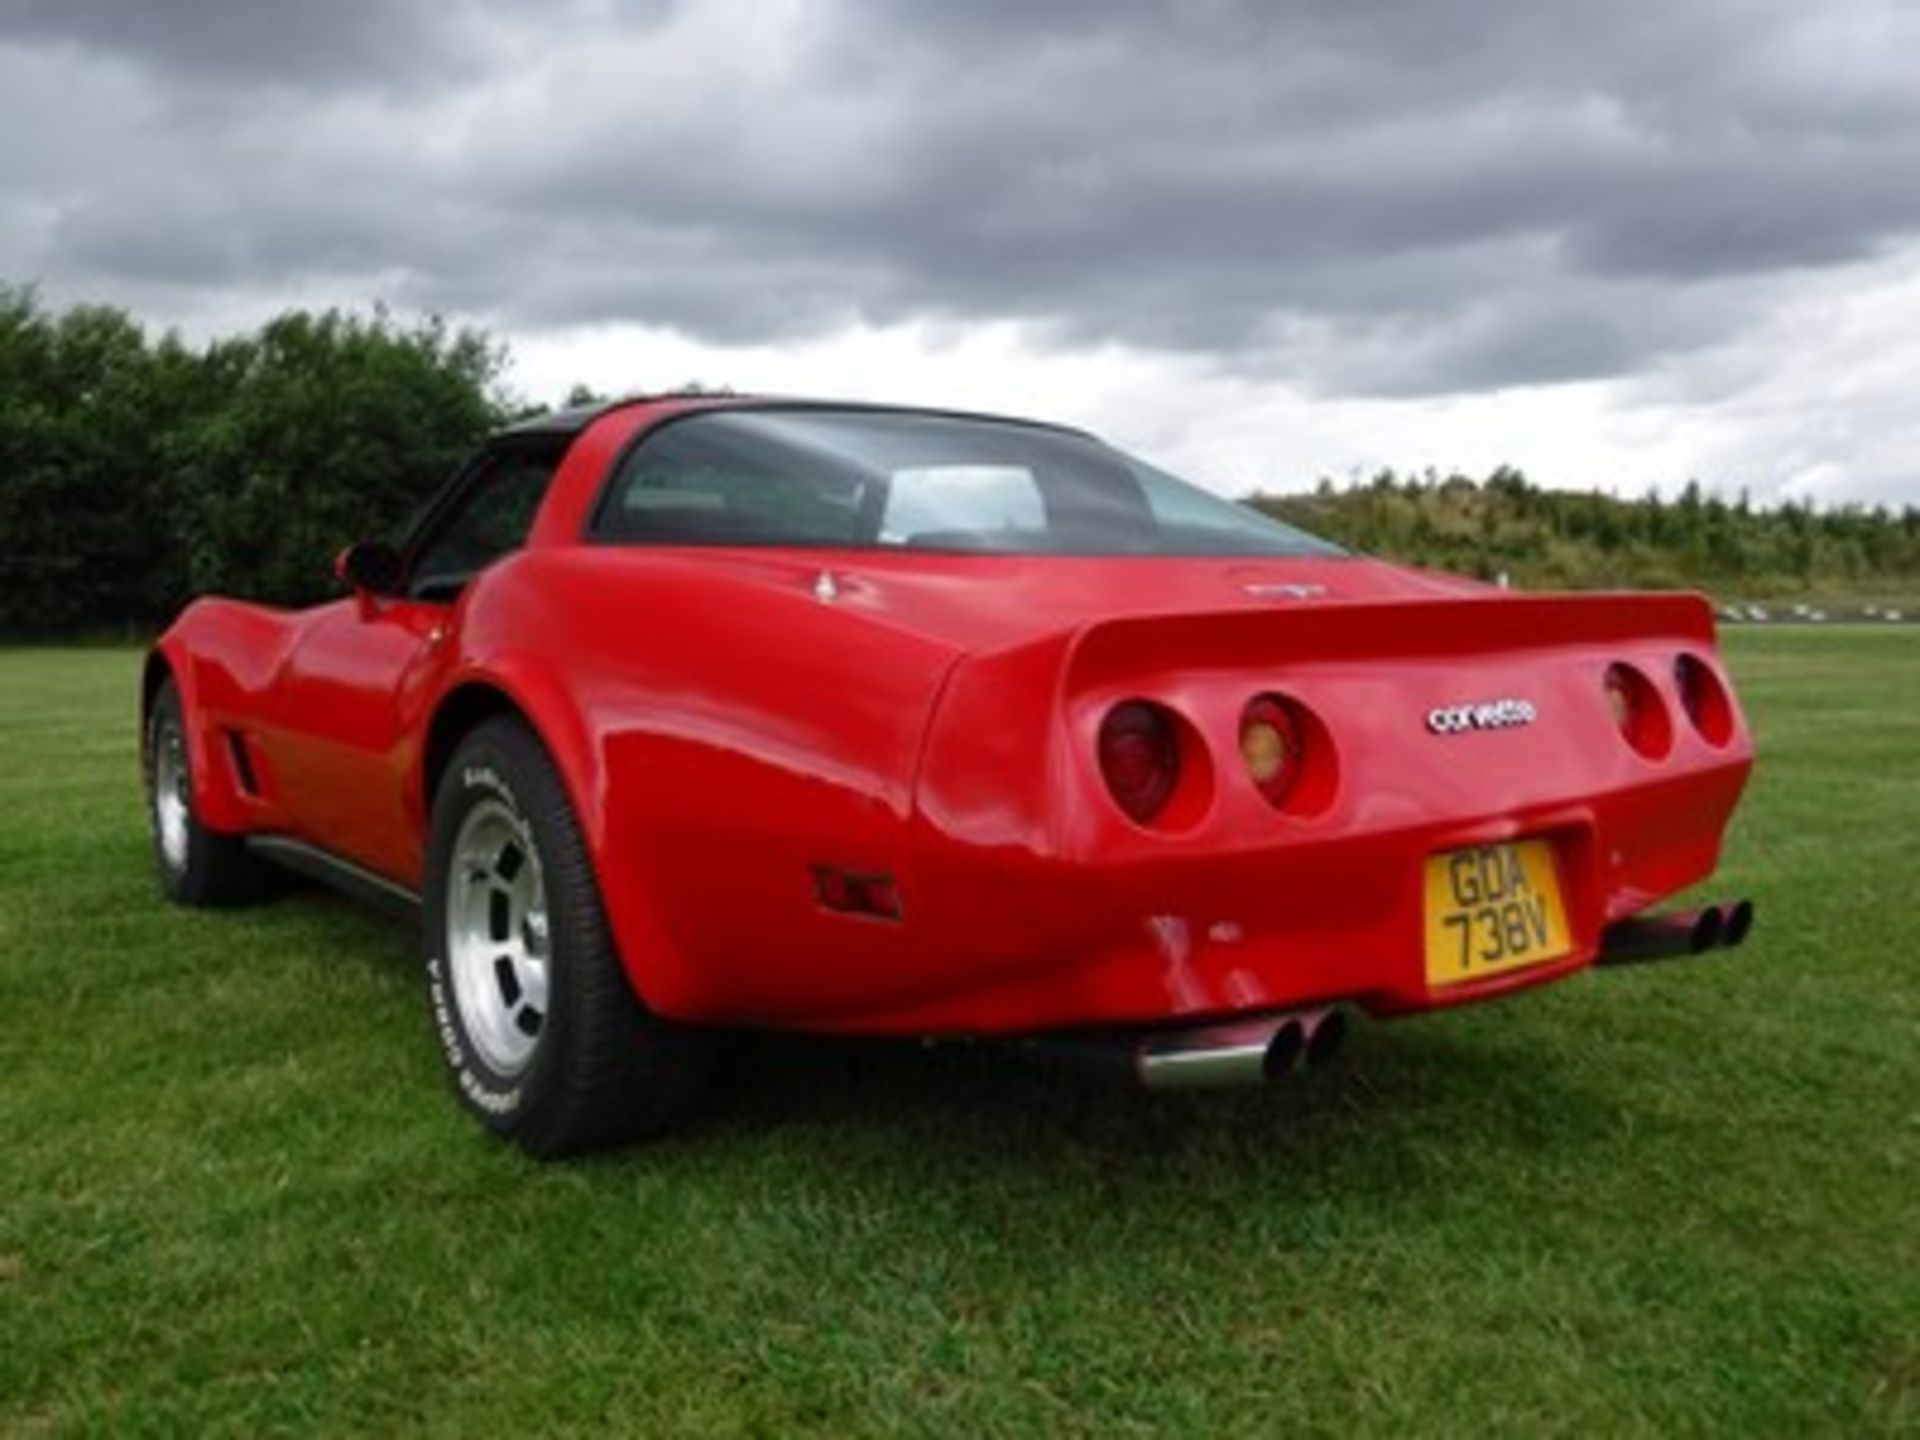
<point>1243,1050</point>
<point>1671,937</point>
<point>1247,1050</point>
<point>1240,1051</point>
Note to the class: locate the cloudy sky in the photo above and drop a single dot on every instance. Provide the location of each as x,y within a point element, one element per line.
<point>1256,240</point>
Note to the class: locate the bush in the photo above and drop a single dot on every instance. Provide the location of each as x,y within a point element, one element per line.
<point>135,473</point>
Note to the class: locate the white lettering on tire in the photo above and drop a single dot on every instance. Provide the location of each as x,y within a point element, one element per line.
<point>446,1023</point>
<point>485,777</point>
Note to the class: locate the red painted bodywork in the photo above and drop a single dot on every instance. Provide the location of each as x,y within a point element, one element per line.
<point>723,730</point>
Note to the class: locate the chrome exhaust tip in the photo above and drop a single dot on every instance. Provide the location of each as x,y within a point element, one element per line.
<point>1244,1051</point>
<point>1212,1057</point>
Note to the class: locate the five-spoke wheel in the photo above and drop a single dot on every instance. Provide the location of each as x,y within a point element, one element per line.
<point>497,938</point>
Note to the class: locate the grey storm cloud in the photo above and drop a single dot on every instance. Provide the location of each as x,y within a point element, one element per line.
<point>220,41</point>
<point>1400,197</point>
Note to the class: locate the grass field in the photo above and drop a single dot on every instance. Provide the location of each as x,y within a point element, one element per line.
<point>234,1197</point>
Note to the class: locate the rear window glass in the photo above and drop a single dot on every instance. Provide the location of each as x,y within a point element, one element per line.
<point>1000,500</point>
<point>907,480</point>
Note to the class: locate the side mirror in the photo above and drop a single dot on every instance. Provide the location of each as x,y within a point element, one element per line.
<point>371,567</point>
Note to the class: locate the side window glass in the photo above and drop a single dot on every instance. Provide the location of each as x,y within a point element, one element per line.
<point>492,520</point>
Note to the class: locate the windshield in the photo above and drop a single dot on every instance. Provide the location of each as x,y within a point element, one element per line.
<point>911,481</point>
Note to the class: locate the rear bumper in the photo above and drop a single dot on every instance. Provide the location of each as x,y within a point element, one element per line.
<point>1249,1049</point>
<point>1010,941</point>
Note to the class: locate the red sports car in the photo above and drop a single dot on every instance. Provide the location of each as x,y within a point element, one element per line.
<point>682,714</point>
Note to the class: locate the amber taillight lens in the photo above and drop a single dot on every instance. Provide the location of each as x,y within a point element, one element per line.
<point>1704,698</point>
<point>1140,757</point>
<point>1272,747</point>
<point>1620,698</point>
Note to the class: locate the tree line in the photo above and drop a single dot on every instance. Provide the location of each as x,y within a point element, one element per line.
<point>136,472</point>
<point>1557,539</point>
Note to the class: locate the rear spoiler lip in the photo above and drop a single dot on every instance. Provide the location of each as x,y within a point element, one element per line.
<point>1422,628</point>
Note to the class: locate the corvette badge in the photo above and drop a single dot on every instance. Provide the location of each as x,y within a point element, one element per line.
<point>1503,714</point>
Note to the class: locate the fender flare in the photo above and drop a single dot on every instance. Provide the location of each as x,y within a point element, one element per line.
<point>526,687</point>
<point>214,802</point>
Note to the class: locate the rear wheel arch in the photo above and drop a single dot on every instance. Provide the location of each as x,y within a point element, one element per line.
<point>658,969</point>
<point>459,712</point>
<point>539,701</point>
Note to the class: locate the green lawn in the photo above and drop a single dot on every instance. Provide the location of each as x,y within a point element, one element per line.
<point>1686,1198</point>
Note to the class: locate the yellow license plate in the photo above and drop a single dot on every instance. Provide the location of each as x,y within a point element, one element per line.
<point>1493,908</point>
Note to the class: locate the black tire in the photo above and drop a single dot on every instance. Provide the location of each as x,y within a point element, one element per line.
<point>602,1069</point>
<point>197,866</point>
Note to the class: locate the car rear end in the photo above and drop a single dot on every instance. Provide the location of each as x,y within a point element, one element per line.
<point>1400,804</point>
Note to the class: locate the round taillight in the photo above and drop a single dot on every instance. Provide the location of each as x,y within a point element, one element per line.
<point>1620,698</point>
<point>1704,698</point>
<point>1140,757</point>
<point>1637,710</point>
<point>1271,746</point>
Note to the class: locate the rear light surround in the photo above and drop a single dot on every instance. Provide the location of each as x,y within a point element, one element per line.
<point>1638,710</point>
<point>1154,764</point>
<point>1287,754</point>
<point>1703,699</point>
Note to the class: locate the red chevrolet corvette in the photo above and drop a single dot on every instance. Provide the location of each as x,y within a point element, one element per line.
<point>680,714</point>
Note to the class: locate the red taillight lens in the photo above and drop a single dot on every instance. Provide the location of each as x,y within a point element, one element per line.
<point>1704,698</point>
<point>1637,711</point>
<point>1140,757</point>
<point>1272,747</point>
